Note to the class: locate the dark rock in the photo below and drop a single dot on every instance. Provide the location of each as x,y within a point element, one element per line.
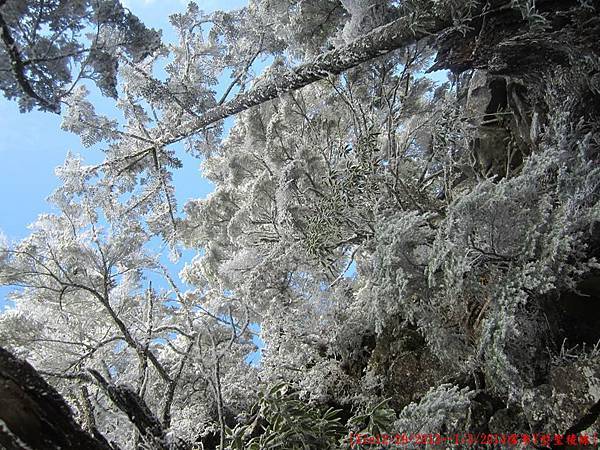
<point>572,391</point>
<point>35,414</point>
<point>408,367</point>
<point>509,419</point>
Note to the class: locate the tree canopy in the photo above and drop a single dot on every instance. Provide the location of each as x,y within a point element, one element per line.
<point>50,45</point>
<point>416,256</point>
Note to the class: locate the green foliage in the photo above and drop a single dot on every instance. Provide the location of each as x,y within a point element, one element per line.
<point>345,213</point>
<point>529,12</point>
<point>281,420</point>
<point>376,421</point>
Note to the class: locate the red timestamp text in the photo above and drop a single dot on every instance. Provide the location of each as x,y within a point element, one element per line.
<point>469,439</point>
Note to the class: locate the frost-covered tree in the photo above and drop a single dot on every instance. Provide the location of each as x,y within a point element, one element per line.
<point>87,312</point>
<point>415,255</point>
<point>47,46</point>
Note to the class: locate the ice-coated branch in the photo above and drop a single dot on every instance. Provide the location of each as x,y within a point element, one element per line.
<point>380,41</point>
<point>136,409</point>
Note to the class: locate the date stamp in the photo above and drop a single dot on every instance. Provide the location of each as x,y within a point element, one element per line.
<point>470,439</point>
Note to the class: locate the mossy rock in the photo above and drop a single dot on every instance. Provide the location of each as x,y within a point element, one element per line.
<point>403,359</point>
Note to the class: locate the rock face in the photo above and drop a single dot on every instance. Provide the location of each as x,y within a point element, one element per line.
<point>33,415</point>
<point>568,400</point>
<point>497,108</point>
<point>506,73</point>
<point>409,369</point>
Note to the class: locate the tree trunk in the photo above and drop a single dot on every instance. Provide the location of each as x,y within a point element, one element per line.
<point>381,41</point>
<point>500,40</point>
